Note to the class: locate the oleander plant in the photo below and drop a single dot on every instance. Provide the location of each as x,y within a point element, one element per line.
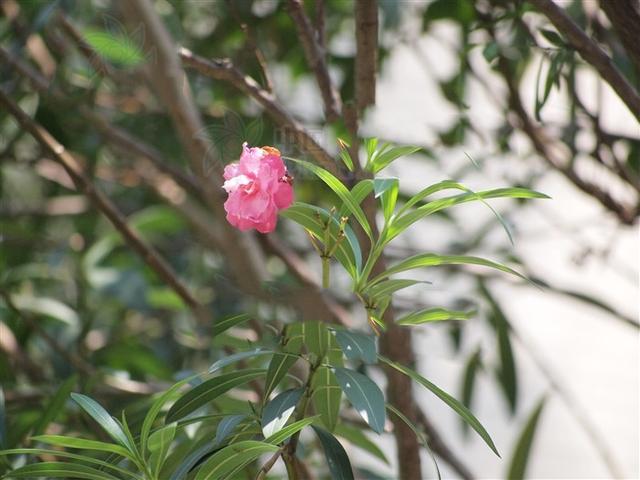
<point>201,278</point>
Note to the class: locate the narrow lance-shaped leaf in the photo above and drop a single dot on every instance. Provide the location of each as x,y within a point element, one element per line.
<point>337,459</point>
<point>433,315</point>
<point>401,223</point>
<point>468,381</point>
<point>60,470</point>
<point>457,407</point>
<point>226,462</point>
<point>343,193</point>
<point>100,415</point>
<point>209,390</point>
<point>81,443</point>
<point>226,323</point>
<point>520,458</point>
<point>236,357</point>
<point>365,396</point>
<point>276,413</point>
<point>290,429</point>
<point>433,260</point>
<point>226,426</point>
<point>74,456</point>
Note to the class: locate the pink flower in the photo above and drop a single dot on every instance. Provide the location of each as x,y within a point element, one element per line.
<point>258,187</point>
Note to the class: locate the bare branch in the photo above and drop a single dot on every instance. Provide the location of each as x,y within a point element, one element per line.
<point>225,70</point>
<point>366,13</point>
<point>440,448</point>
<point>625,18</point>
<point>315,54</point>
<point>591,53</point>
<point>550,152</point>
<point>148,254</point>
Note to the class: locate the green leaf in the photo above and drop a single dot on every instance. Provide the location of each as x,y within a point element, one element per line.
<point>65,454</point>
<point>381,185</point>
<point>389,199</point>
<point>455,405</point>
<point>370,145</point>
<point>365,396</point>
<point>155,408</point>
<point>106,421</point>
<point>433,315</point>
<point>348,253</point>
<point>226,323</point>
<point>401,223</point>
<point>55,405</point>
<point>236,357</point>
<point>343,193</point>
<point>386,288</point>
<point>276,413</point>
<point>60,470</point>
<point>520,458</point>
<point>191,460</point>
<point>507,371</point>
<point>159,443</point>
<point>209,390</point>
<point>345,155</point>
<point>433,260</point>
<point>279,366</point>
<point>71,442</point>
<point>326,397</point>
<point>357,437</point>
<point>382,160</point>
<point>317,338</point>
<point>226,426</point>
<point>115,48</point>
<point>473,365</point>
<point>357,345</point>
<point>337,459</point>
<point>291,429</point>
<point>491,51</point>
<point>553,37</point>
<point>229,460</point>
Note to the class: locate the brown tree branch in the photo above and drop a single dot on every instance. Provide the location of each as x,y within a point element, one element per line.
<point>625,18</point>
<point>316,57</point>
<point>148,254</point>
<point>550,151</point>
<point>440,448</point>
<point>366,13</point>
<point>591,53</point>
<point>224,70</point>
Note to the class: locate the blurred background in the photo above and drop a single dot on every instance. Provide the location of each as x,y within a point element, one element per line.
<point>493,94</point>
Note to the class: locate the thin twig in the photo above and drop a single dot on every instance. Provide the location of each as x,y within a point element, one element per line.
<point>268,465</point>
<point>315,55</point>
<point>591,52</point>
<point>148,254</point>
<point>223,69</point>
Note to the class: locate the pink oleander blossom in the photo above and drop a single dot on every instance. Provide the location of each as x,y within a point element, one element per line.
<point>258,187</point>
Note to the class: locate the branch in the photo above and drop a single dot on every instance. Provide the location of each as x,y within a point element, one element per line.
<point>591,53</point>
<point>315,53</point>
<point>146,252</point>
<point>548,150</point>
<point>440,448</point>
<point>573,404</point>
<point>224,70</point>
<point>625,18</point>
<point>366,13</point>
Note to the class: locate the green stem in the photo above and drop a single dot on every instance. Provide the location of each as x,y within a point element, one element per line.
<point>326,272</point>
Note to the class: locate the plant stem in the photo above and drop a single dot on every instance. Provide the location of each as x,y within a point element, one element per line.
<point>326,272</point>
